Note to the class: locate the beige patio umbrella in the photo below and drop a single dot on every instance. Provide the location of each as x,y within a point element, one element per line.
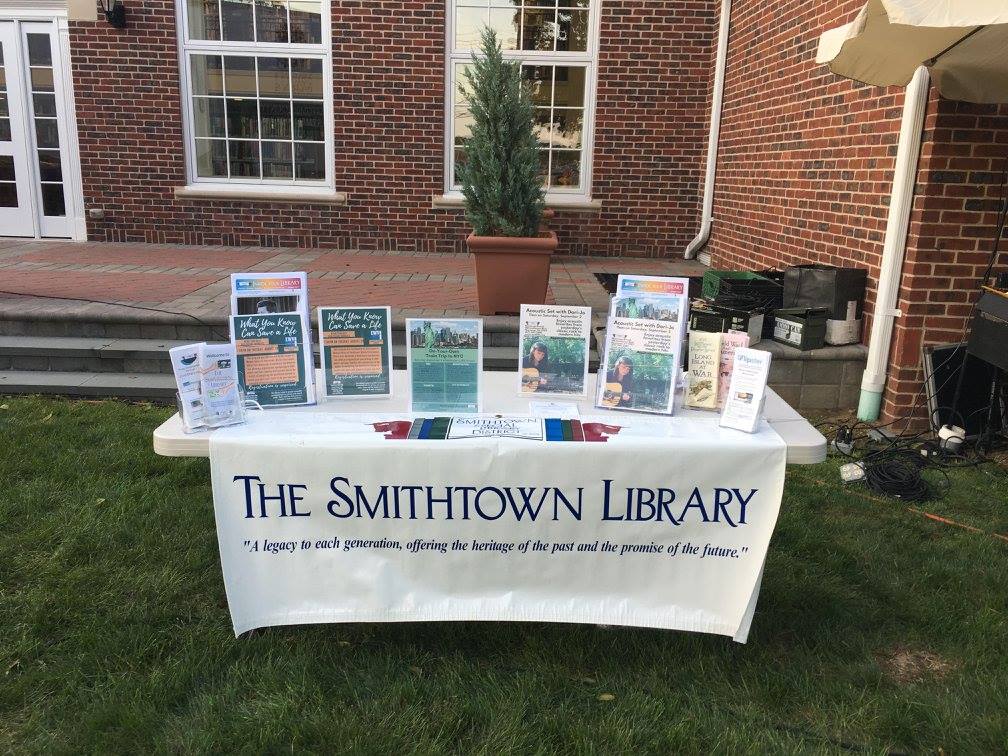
<point>963,42</point>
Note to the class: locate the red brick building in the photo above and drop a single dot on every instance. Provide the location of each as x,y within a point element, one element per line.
<point>336,123</point>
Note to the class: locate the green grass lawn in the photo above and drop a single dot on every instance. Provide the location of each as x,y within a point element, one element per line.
<point>877,629</point>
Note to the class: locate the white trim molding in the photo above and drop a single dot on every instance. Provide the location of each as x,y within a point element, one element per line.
<point>291,194</point>
<point>456,202</point>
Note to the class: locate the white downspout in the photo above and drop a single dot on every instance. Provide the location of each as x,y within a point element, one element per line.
<point>715,131</point>
<point>894,246</point>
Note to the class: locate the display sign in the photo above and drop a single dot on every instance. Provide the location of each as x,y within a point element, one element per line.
<point>444,360</point>
<point>640,365</point>
<point>553,343</point>
<point>272,369</point>
<point>355,344</point>
<point>642,531</point>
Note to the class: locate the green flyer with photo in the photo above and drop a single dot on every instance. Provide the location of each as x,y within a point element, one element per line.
<point>271,358</point>
<point>355,344</point>
<point>444,359</point>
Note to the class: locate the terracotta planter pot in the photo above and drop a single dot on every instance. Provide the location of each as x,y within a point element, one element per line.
<point>511,271</point>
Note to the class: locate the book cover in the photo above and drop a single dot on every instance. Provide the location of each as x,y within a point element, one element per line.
<point>729,343</point>
<point>704,367</point>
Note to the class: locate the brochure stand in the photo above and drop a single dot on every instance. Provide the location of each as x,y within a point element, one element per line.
<point>239,417</point>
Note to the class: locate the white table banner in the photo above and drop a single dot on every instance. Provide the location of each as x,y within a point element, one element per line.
<point>324,520</point>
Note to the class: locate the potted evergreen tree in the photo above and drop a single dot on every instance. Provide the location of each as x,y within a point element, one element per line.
<point>504,197</point>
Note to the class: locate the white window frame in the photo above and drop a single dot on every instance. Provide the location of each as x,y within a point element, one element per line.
<point>256,187</point>
<point>589,58</point>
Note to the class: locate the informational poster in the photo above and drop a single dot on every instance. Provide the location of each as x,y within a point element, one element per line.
<point>554,350</point>
<point>356,348</point>
<point>444,360</point>
<point>640,365</point>
<point>276,294</point>
<point>272,369</point>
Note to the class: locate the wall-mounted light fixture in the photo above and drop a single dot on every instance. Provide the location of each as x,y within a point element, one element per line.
<point>114,12</point>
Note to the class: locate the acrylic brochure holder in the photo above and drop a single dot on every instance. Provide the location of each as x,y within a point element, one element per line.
<point>239,416</point>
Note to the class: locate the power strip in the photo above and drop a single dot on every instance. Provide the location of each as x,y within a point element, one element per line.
<point>852,472</point>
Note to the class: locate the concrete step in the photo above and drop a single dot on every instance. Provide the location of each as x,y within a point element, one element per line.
<point>119,385</point>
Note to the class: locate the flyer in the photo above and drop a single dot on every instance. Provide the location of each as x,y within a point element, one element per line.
<point>221,400</point>
<point>553,360</point>
<point>652,298</point>
<point>356,348</point>
<point>444,361</point>
<point>275,294</point>
<point>272,369</point>
<point>704,368</point>
<point>640,365</point>
<point>744,403</point>
<point>729,343</point>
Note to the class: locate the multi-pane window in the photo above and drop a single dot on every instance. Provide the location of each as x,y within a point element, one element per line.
<point>259,105</point>
<point>43,111</point>
<point>555,43</point>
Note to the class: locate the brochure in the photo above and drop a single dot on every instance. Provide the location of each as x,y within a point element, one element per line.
<point>640,365</point>
<point>221,401</point>
<point>704,367</point>
<point>729,343</point>
<point>272,367</point>
<point>744,403</point>
<point>356,348</point>
<point>185,362</point>
<point>444,361</point>
<point>554,350</point>
<point>275,294</point>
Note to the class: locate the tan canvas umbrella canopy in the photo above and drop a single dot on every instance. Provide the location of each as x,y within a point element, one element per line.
<point>963,42</point>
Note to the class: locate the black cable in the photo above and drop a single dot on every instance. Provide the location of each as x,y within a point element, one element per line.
<point>213,329</point>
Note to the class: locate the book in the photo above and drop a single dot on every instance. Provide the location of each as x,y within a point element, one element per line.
<point>355,344</point>
<point>553,358</point>
<point>272,367</point>
<point>704,368</point>
<point>730,341</point>
<point>444,362</point>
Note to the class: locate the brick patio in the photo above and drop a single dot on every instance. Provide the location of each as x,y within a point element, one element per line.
<point>194,280</point>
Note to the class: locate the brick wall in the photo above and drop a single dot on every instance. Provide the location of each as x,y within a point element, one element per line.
<point>805,174</point>
<point>952,232</point>
<point>388,72</point>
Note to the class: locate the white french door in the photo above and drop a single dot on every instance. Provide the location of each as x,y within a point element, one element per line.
<point>34,134</point>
